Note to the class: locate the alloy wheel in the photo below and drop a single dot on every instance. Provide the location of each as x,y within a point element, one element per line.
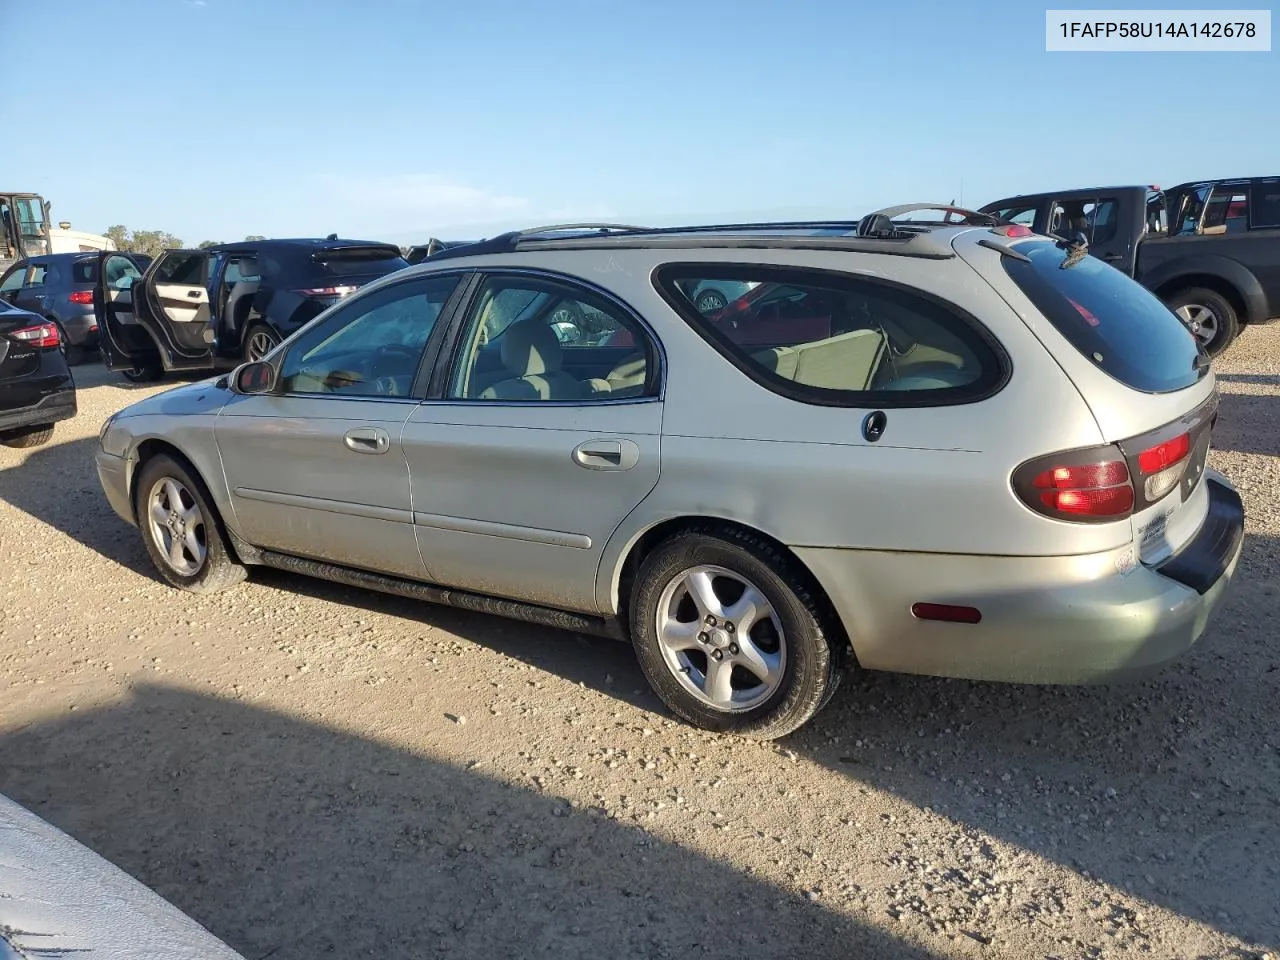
<point>721,638</point>
<point>177,526</point>
<point>1202,321</point>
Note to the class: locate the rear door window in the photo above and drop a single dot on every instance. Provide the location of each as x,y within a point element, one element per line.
<point>1114,321</point>
<point>84,271</point>
<point>839,339</point>
<point>1264,203</point>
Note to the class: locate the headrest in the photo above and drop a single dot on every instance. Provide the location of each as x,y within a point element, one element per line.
<point>530,348</point>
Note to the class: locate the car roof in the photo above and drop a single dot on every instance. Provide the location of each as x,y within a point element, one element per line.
<point>317,243</point>
<point>926,239</point>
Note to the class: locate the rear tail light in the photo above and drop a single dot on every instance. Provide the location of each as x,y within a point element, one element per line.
<point>41,335</point>
<point>1013,231</point>
<point>81,296</point>
<point>1163,465</point>
<point>1087,486</point>
<point>327,291</point>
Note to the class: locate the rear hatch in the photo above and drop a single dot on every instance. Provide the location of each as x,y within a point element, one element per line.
<point>1144,376</point>
<point>334,271</point>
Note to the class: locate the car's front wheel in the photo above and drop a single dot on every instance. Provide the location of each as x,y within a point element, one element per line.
<point>729,635</point>
<point>181,529</point>
<point>143,373</point>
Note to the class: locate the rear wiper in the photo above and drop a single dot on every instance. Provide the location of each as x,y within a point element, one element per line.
<point>1077,247</point>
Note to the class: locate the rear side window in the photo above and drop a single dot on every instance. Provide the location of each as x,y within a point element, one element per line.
<point>354,261</point>
<point>834,338</point>
<point>1264,203</point>
<point>1113,320</point>
<point>305,265</point>
<point>84,271</point>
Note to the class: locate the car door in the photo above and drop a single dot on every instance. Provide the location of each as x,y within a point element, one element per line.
<point>315,468</point>
<point>124,341</point>
<point>173,304</point>
<point>524,460</point>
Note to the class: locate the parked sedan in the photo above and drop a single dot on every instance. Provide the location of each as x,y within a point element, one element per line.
<point>36,386</point>
<point>961,450</point>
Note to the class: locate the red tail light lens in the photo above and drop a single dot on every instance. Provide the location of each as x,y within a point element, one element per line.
<point>43,335</point>
<point>1165,454</point>
<point>327,291</point>
<point>1082,485</point>
<point>1163,465</point>
<point>81,296</point>
<point>1014,230</point>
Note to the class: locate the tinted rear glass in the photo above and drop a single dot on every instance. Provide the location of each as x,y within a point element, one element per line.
<point>84,271</point>
<point>1114,321</point>
<point>295,264</point>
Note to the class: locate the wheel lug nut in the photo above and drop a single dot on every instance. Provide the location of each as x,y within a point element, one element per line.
<point>711,621</point>
<point>733,648</point>
<point>703,638</point>
<point>717,654</point>
<point>729,627</point>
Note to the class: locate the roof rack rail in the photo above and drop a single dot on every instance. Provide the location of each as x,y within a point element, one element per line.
<point>507,242</point>
<point>971,217</point>
<point>601,227</point>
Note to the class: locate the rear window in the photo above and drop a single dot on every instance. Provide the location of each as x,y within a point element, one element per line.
<point>351,261</point>
<point>84,271</point>
<point>1113,320</point>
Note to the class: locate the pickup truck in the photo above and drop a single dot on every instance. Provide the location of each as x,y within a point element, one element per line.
<point>1210,249</point>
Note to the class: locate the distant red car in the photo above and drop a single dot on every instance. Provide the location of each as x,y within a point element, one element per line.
<point>769,315</point>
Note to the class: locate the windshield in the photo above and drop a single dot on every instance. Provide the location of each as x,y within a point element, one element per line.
<point>1114,321</point>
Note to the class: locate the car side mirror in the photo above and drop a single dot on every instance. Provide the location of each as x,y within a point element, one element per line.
<point>253,378</point>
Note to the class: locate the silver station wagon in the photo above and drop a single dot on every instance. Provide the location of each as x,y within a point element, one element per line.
<point>946,447</point>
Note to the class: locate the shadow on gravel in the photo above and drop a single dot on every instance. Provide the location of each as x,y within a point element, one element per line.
<point>605,665</point>
<point>290,840</point>
<point>1259,379</point>
<point>1248,423</point>
<point>1168,789</point>
<point>58,484</point>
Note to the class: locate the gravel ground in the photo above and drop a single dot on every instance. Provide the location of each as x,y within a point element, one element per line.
<point>309,770</point>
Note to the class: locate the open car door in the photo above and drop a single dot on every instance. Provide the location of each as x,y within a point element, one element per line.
<point>159,319</point>
<point>126,345</point>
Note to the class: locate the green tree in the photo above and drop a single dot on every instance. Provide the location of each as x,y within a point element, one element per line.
<point>255,236</point>
<point>206,244</point>
<point>152,242</point>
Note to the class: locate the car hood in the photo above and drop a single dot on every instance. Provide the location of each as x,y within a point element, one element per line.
<point>190,398</point>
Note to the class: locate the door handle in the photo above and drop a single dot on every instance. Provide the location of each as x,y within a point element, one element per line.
<point>606,454</point>
<point>193,294</point>
<point>367,440</point>
<point>1113,257</point>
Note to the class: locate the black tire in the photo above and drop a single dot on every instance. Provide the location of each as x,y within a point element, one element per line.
<point>218,569</point>
<point>813,656</point>
<point>263,333</point>
<point>24,439</point>
<point>144,373</point>
<point>1227,323</point>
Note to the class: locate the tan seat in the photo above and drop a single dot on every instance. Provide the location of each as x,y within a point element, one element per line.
<point>532,356</point>
<point>847,361</point>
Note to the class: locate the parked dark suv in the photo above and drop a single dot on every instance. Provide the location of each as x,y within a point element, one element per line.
<point>36,387</point>
<point>59,287</point>
<point>195,310</point>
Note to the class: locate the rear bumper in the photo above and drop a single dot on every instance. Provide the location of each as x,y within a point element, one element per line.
<point>1088,619</point>
<point>51,409</point>
<point>113,475</point>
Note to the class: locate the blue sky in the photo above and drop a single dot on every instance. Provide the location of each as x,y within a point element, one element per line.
<point>400,119</point>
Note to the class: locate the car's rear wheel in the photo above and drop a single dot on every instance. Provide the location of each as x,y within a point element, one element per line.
<point>710,301</point>
<point>729,635</point>
<point>181,528</point>
<point>143,373</point>
<point>1209,315</point>
<point>23,439</point>
<point>260,341</point>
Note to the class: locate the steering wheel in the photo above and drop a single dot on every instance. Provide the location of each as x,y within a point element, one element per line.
<point>389,383</point>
